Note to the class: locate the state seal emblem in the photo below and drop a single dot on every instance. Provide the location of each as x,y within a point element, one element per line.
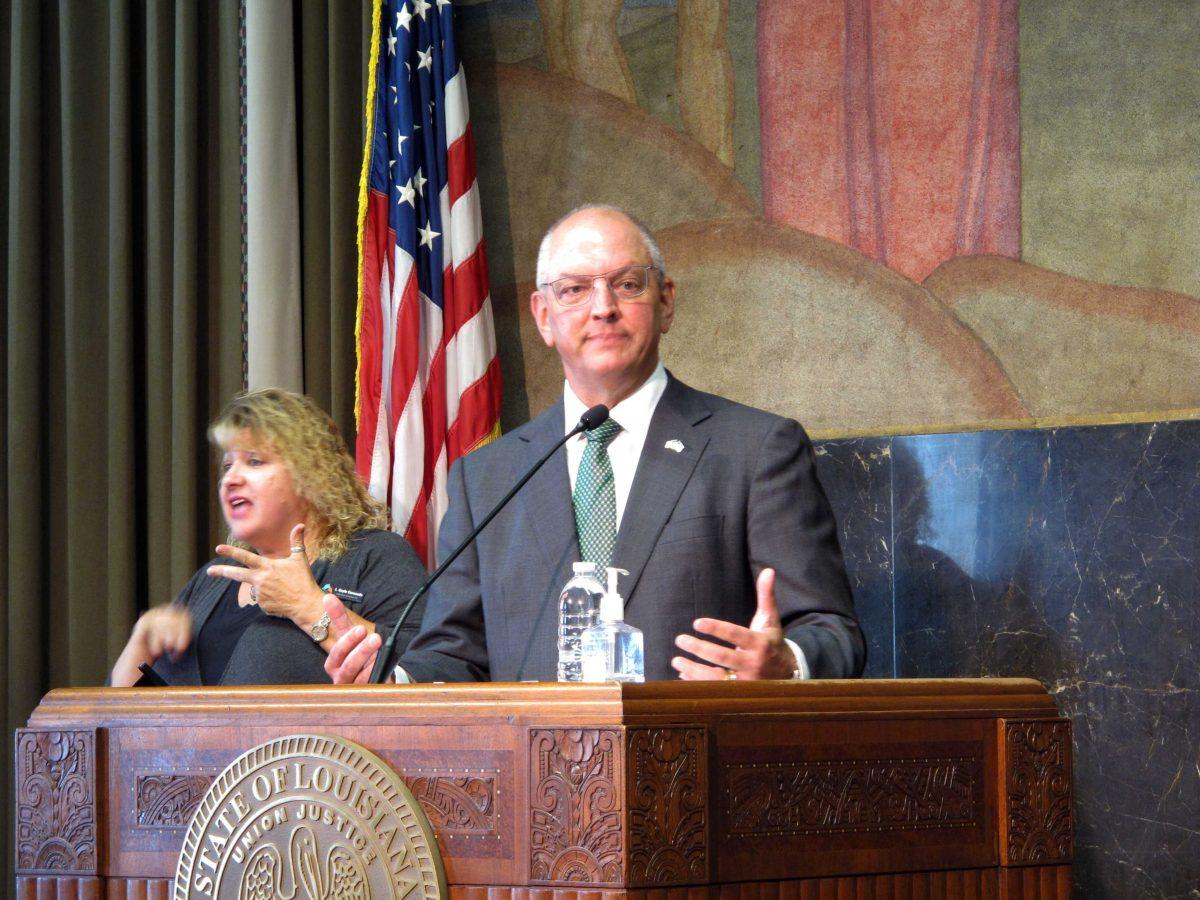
<point>309,817</point>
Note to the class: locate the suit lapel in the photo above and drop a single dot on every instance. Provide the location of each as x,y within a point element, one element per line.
<point>547,497</point>
<point>661,475</point>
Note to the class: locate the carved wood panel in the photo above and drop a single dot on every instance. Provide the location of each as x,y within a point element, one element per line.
<point>668,805</point>
<point>1049,883</point>
<point>1036,883</point>
<point>52,888</point>
<point>139,888</point>
<point>56,802</point>
<point>825,796</point>
<point>456,803</point>
<point>167,800</point>
<point>575,806</point>
<point>1037,826</point>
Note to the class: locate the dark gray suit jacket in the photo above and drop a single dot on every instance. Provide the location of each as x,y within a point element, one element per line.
<point>698,526</point>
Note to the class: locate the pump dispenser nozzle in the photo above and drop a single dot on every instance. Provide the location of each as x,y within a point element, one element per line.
<point>612,604</point>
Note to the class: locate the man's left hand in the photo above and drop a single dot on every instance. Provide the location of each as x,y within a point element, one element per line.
<point>758,652</point>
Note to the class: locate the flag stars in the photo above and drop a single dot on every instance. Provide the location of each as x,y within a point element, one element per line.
<point>407,194</point>
<point>395,95</point>
<point>403,18</point>
<point>400,139</point>
<point>391,45</point>
<point>428,234</point>
<point>425,59</point>
<point>421,180</point>
<point>442,4</point>
<point>420,7</point>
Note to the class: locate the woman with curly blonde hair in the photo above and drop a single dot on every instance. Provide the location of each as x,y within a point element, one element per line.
<point>301,527</point>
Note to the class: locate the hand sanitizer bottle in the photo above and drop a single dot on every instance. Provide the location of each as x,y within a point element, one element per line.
<point>578,608</point>
<point>612,650</point>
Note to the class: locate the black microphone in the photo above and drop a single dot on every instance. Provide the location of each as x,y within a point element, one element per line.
<point>593,418</point>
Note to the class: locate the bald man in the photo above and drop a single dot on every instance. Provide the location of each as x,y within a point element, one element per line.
<point>728,539</point>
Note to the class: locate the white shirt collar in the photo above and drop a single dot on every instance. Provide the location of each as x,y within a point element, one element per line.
<point>633,413</point>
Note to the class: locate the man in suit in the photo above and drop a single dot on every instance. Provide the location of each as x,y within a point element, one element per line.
<point>712,507</point>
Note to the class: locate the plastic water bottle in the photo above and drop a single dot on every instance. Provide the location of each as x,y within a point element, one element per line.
<point>578,606</point>
<point>612,649</point>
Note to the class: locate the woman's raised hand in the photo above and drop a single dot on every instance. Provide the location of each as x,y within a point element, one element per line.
<point>283,587</point>
<point>164,629</point>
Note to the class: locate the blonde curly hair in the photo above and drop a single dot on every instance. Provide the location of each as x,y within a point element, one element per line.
<point>309,444</point>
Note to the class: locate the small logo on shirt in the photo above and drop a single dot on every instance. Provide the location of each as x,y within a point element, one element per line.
<point>674,444</point>
<point>343,593</point>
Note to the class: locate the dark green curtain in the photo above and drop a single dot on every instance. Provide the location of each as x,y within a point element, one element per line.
<point>121,318</point>
<point>121,307</point>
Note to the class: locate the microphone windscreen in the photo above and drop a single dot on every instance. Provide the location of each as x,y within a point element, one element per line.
<point>594,417</point>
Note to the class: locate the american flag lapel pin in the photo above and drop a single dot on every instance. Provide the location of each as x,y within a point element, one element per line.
<point>675,445</point>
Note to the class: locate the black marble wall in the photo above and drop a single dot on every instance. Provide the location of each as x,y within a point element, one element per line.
<point>1067,555</point>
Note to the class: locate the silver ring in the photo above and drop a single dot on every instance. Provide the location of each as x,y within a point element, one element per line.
<point>253,594</point>
<point>730,675</point>
<point>297,548</point>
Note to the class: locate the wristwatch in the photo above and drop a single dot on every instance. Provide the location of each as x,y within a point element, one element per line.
<point>320,629</point>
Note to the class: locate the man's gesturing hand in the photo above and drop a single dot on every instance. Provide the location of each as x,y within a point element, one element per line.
<point>758,652</point>
<point>352,657</point>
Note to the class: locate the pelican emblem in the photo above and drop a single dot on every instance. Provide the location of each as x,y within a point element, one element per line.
<point>674,444</point>
<point>342,875</point>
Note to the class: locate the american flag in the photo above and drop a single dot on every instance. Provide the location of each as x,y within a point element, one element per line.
<point>428,375</point>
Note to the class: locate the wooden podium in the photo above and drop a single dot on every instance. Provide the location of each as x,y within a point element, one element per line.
<point>663,791</point>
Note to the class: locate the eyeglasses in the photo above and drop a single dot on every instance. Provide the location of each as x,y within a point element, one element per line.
<point>627,283</point>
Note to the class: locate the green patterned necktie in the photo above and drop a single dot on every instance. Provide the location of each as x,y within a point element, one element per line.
<point>596,497</point>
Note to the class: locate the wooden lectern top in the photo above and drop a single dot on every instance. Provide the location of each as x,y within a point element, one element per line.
<point>542,702</point>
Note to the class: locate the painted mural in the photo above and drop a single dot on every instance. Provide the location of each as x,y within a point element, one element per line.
<point>889,217</point>
<point>837,186</point>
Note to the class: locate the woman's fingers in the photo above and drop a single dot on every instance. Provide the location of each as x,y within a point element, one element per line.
<point>282,586</point>
<point>296,541</point>
<point>183,632</point>
<point>245,557</point>
<point>235,573</point>
<point>166,630</point>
